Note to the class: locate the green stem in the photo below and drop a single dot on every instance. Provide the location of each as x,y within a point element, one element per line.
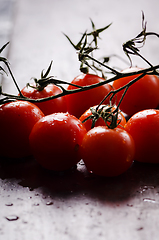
<point>13,79</point>
<point>143,58</point>
<point>104,65</point>
<point>150,70</point>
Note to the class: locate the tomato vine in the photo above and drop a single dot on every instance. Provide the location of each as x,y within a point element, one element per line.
<point>85,50</point>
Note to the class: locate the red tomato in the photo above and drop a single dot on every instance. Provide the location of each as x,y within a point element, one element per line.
<point>47,107</point>
<point>16,122</point>
<point>143,94</point>
<point>107,152</point>
<point>78,103</point>
<point>55,141</point>
<point>100,121</point>
<point>144,128</point>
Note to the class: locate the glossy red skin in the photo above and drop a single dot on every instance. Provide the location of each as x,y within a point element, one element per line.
<point>144,94</point>
<point>107,152</point>
<point>100,121</point>
<point>78,103</point>
<point>47,107</point>
<point>16,122</point>
<point>55,141</point>
<point>144,128</point>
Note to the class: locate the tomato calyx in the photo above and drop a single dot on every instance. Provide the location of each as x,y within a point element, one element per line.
<point>40,84</point>
<point>130,47</point>
<point>87,45</point>
<point>108,113</point>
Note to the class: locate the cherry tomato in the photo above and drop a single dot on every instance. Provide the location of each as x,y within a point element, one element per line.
<point>55,141</point>
<point>107,152</point>
<point>47,107</point>
<point>78,103</point>
<point>16,122</point>
<point>100,121</point>
<point>144,128</point>
<point>143,94</point>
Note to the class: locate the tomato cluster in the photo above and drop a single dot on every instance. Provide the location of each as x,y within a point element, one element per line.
<point>59,133</point>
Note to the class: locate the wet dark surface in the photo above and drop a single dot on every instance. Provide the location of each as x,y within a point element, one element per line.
<point>74,194</point>
<point>28,173</point>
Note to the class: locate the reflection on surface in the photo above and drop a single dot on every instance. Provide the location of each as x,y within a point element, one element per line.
<point>138,180</point>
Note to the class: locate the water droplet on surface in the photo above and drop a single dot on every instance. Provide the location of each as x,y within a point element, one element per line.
<point>36,204</point>
<point>130,205</point>
<point>143,189</point>
<point>20,199</point>
<point>139,229</point>
<point>81,163</point>
<point>25,222</point>
<point>149,200</point>
<point>12,218</point>
<point>49,203</point>
<point>9,204</point>
<point>99,213</point>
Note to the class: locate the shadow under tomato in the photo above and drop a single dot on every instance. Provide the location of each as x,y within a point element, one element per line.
<point>77,181</point>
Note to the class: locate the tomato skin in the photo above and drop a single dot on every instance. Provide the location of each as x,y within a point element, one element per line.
<point>107,152</point>
<point>78,103</point>
<point>47,107</point>
<point>100,121</point>
<point>144,94</point>
<point>55,140</point>
<point>16,122</point>
<point>144,128</point>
